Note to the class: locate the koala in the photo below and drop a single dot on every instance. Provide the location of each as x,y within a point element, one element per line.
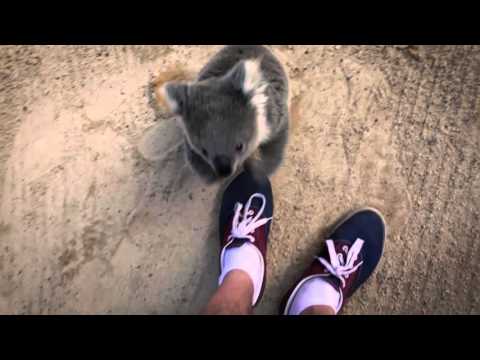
<point>235,114</point>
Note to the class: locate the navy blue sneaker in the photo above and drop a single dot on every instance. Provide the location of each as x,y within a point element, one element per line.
<point>350,256</point>
<point>245,215</point>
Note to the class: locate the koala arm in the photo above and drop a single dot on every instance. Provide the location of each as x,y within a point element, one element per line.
<point>199,165</point>
<point>270,155</point>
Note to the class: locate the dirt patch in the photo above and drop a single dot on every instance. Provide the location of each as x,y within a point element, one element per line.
<point>99,213</point>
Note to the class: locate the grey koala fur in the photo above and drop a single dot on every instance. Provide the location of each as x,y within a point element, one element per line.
<point>235,114</point>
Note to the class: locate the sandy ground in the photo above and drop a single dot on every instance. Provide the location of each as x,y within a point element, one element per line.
<point>99,214</point>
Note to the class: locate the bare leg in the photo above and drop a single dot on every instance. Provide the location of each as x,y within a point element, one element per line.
<point>318,310</point>
<point>233,297</point>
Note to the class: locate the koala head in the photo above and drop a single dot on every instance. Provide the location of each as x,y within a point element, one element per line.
<point>223,118</point>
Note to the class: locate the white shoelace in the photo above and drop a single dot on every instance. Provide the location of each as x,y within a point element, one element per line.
<point>338,266</point>
<point>244,228</point>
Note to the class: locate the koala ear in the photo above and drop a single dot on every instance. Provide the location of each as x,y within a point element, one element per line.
<point>246,76</point>
<point>174,96</point>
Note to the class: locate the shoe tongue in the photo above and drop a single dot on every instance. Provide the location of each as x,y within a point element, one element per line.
<point>237,243</point>
<point>255,207</point>
<point>342,247</point>
<point>334,281</point>
<point>228,229</point>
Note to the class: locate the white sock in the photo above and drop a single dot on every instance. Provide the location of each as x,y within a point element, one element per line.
<point>247,258</point>
<point>314,292</point>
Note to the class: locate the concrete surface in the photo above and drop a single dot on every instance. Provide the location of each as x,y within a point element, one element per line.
<point>98,213</point>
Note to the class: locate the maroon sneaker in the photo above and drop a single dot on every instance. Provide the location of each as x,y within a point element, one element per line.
<point>352,253</point>
<point>245,214</point>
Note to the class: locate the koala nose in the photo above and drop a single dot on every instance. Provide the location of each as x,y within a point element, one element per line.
<point>223,166</point>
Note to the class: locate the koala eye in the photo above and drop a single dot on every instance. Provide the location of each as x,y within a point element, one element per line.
<point>204,152</point>
<point>239,148</point>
